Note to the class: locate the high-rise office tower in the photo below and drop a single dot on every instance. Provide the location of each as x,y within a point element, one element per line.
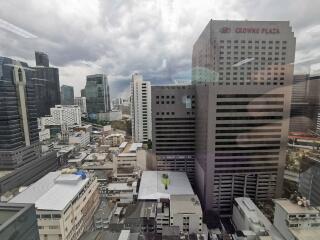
<point>314,102</point>
<point>67,95</point>
<point>19,141</point>
<point>82,103</point>
<point>242,72</point>
<point>97,94</point>
<point>42,59</point>
<point>173,128</point>
<point>140,109</point>
<point>116,103</point>
<point>19,125</point>
<point>46,85</point>
<point>83,92</point>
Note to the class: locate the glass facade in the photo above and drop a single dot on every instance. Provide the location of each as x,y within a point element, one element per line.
<point>67,95</point>
<point>97,94</point>
<point>47,89</point>
<point>12,130</point>
<point>18,221</point>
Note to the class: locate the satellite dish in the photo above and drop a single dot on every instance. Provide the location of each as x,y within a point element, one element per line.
<point>299,203</point>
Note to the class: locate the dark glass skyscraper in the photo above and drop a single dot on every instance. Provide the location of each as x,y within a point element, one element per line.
<point>19,140</point>
<point>18,125</point>
<point>46,85</point>
<point>42,59</point>
<point>97,93</point>
<point>83,92</point>
<point>67,95</point>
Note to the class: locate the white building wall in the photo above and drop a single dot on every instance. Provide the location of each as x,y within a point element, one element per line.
<point>190,222</point>
<point>186,212</point>
<point>72,222</point>
<point>44,135</point>
<point>141,109</point>
<point>279,221</point>
<point>81,138</point>
<point>69,115</point>
<point>109,116</point>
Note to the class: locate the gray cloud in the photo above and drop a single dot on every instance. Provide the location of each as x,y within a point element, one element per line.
<point>153,37</point>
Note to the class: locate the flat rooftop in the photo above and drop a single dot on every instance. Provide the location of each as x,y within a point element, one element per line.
<point>185,204</point>
<point>95,165</point>
<point>115,135</point>
<point>9,212</point>
<point>96,157</point>
<point>78,158</point>
<point>152,187</point>
<point>256,217</point>
<point>123,145</point>
<point>305,234</point>
<point>54,191</point>
<point>135,146</point>
<point>251,211</point>
<point>294,208</point>
<point>4,173</point>
<point>119,187</point>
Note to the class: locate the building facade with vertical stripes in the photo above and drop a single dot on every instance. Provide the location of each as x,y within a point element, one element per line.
<point>242,72</point>
<point>236,130</point>
<point>21,162</point>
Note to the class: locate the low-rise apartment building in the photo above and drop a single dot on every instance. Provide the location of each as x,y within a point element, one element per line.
<point>65,203</point>
<point>297,220</point>
<point>186,212</point>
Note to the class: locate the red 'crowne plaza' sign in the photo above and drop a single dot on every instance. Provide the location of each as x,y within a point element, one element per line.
<point>251,30</point>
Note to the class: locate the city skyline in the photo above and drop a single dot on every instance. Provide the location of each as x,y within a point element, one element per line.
<point>98,51</point>
<point>159,120</point>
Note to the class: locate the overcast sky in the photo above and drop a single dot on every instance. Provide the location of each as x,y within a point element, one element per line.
<point>152,37</point>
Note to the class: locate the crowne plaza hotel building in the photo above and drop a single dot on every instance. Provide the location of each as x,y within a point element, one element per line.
<point>242,73</point>
<point>228,129</point>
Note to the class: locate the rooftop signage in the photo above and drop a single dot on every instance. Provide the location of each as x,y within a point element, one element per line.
<point>252,30</point>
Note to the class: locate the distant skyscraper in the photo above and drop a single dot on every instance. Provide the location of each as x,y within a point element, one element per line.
<point>300,116</point>
<point>82,103</point>
<point>83,92</point>
<point>305,106</point>
<point>242,72</point>
<point>67,95</point>
<point>19,141</point>
<point>116,102</point>
<point>141,109</point>
<point>46,86</point>
<point>314,102</point>
<point>97,94</point>
<point>42,59</point>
